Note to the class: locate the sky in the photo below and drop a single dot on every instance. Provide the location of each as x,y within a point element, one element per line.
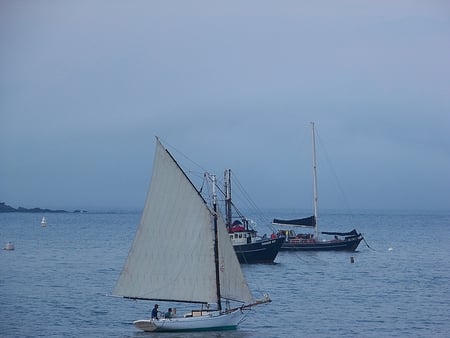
<point>85,86</point>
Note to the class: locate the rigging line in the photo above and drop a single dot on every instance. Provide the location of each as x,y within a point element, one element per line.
<point>238,198</point>
<point>208,196</point>
<point>244,192</point>
<point>338,183</point>
<point>330,164</point>
<point>241,198</point>
<point>310,258</point>
<point>297,256</point>
<point>368,244</point>
<point>175,150</point>
<point>260,214</point>
<point>207,177</point>
<point>260,283</point>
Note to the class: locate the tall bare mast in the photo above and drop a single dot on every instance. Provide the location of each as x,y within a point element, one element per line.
<point>227,180</point>
<point>316,228</point>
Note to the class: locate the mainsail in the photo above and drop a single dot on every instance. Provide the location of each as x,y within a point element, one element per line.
<point>172,255</point>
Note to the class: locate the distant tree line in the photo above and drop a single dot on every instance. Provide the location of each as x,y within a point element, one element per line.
<point>7,208</point>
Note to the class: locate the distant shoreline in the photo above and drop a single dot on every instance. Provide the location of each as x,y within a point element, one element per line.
<point>7,208</point>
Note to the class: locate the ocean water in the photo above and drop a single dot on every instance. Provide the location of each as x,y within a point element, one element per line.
<point>58,280</point>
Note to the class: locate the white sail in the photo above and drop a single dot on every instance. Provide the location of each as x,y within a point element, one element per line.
<point>172,255</point>
<point>232,282</point>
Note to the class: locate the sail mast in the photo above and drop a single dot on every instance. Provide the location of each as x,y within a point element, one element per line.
<point>228,197</point>
<point>216,242</point>
<point>316,228</point>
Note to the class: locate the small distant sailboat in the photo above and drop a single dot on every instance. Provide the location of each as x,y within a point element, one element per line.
<point>182,253</point>
<point>9,246</point>
<point>43,222</point>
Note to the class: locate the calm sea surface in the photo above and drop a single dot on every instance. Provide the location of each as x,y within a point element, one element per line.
<point>58,279</point>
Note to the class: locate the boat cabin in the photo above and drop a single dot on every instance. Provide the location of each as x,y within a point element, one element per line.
<point>243,237</point>
<point>241,234</point>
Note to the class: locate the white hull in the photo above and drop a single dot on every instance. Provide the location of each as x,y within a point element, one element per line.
<point>211,321</point>
<point>9,246</point>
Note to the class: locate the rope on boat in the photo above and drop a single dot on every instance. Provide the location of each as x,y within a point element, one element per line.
<point>368,244</point>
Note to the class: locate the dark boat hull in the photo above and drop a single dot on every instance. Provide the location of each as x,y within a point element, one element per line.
<point>331,245</point>
<point>263,251</point>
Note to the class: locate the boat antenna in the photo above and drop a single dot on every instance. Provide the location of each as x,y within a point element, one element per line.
<point>313,136</point>
<point>216,242</point>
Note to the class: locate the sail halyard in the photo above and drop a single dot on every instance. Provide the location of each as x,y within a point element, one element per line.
<point>177,223</point>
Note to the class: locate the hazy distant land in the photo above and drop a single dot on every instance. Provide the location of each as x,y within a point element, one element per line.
<point>6,208</point>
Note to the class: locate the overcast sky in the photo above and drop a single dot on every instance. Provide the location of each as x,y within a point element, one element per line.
<point>85,86</point>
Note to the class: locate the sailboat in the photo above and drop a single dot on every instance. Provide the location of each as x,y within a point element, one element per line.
<point>182,253</point>
<point>43,222</point>
<point>249,247</point>
<point>9,246</point>
<point>341,241</point>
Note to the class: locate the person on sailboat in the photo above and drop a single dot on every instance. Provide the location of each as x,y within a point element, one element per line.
<point>169,313</point>
<point>155,312</point>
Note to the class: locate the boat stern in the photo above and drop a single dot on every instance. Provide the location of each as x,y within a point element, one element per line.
<point>145,325</point>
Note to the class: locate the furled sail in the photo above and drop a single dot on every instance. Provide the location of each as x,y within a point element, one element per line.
<point>301,222</point>
<point>172,255</point>
<point>350,234</point>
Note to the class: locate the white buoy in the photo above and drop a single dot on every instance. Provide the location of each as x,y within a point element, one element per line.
<point>9,246</point>
<point>43,222</point>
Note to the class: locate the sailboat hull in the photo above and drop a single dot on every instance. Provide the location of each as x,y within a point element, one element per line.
<point>263,251</point>
<point>210,322</point>
<point>332,245</point>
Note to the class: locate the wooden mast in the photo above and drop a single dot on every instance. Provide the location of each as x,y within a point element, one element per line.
<point>216,243</point>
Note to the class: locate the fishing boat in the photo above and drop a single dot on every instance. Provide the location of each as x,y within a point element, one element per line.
<point>339,241</point>
<point>250,248</point>
<point>43,222</point>
<point>182,253</point>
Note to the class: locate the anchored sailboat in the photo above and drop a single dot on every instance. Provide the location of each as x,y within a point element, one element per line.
<point>182,253</point>
<point>346,241</point>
